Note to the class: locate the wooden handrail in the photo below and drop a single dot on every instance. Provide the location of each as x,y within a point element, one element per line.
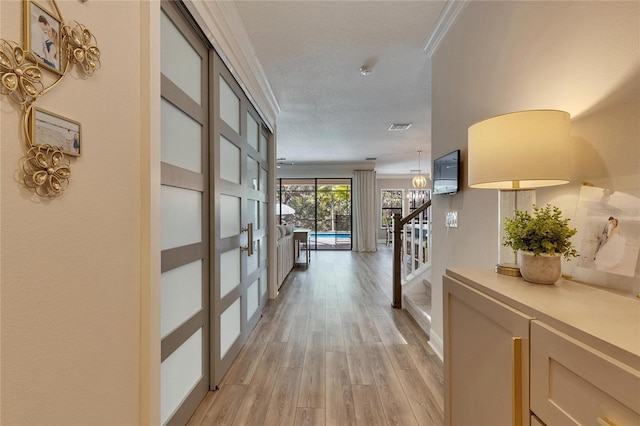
<point>413,214</point>
<point>398,223</point>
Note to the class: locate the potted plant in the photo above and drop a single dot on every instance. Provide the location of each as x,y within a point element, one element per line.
<point>540,239</point>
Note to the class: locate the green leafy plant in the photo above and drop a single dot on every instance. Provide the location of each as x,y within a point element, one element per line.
<point>544,231</point>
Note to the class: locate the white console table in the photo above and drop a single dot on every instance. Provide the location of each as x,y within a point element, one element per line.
<point>517,353</point>
<point>301,236</point>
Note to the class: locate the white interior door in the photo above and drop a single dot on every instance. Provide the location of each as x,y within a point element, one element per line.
<point>184,309</point>
<point>239,179</point>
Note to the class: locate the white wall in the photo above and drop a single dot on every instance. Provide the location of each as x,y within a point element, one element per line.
<point>499,57</point>
<point>71,267</point>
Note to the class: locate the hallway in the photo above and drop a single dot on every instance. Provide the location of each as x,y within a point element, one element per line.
<point>330,350</point>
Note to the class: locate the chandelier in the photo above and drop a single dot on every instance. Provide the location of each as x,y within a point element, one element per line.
<point>418,180</point>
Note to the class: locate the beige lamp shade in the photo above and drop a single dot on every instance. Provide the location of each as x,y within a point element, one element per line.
<point>526,149</point>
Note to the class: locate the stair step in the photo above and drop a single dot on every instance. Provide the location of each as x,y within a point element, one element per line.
<point>418,305</point>
<point>427,287</point>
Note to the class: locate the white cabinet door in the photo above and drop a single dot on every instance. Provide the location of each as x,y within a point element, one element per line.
<point>574,384</point>
<point>486,359</point>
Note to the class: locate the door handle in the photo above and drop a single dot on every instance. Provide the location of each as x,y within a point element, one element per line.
<point>249,230</point>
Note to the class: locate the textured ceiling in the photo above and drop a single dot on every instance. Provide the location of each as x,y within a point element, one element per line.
<point>311,53</point>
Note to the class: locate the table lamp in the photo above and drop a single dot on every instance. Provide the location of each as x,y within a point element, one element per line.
<point>516,153</point>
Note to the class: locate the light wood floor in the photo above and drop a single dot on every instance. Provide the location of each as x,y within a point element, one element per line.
<point>330,350</point>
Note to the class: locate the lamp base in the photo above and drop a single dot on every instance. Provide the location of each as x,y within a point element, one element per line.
<point>510,200</point>
<point>509,270</point>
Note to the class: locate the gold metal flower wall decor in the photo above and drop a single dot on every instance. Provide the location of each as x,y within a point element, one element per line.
<point>81,47</point>
<point>46,170</point>
<point>19,72</point>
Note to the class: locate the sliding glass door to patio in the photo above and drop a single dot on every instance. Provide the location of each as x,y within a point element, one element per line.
<point>321,205</point>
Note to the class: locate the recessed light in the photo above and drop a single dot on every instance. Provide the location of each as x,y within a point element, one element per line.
<point>365,70</point>
<point>399,126</point>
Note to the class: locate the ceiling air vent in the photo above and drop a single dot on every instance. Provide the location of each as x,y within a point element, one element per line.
<point>371,158</point>
<point>399,126</point>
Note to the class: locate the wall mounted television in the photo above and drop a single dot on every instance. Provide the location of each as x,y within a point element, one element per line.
<point>446,173</point>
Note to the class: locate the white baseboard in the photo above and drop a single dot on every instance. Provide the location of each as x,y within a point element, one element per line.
<point>436,344</point>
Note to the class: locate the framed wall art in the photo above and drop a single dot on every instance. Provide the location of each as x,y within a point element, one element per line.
<point>608,239</point>
<point>56,131</point>
<point>43,36</point>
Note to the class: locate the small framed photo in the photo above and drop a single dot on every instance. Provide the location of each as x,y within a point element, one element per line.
<point>43,36</point>
<point>61,133</point>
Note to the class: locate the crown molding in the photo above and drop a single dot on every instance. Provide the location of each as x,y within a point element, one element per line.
<point>222,25</point>
<point>445,21</point>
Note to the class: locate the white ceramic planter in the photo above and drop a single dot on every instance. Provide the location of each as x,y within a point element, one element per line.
<point>540,269</point>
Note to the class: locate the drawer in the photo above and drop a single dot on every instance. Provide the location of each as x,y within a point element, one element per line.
<point>573,384</point>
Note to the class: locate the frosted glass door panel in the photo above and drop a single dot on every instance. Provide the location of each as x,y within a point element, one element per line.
<point>252,132</point>
<point>252,173</point>
<point>181,216</point>
<point>229,216</point>
<point>253,298</point>
<point>229,327</point>
<point>229,106</point>
<point>229,161</point>
<point>263,180</point>
<point>263,283</point>
<point>179,61</point>
<point>252,212</point>
<point>263,215</point>
<point>229,271</point>
<point>252,261</point>
<point>179,373</point>
<point>263,249</point>
<point>181,295</point>
<point>263,145</point>
<point>181,139</point>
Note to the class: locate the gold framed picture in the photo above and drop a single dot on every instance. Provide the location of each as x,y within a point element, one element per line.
<point>43,36</point>
<point>52,129</point>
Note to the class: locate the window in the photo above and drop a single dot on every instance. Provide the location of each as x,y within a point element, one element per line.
<point>390,203</point>
<point>418,197</point>
<point>322,205</point>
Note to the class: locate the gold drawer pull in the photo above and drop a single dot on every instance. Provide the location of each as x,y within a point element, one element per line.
<point>516,371</point>
<point>605,422</point>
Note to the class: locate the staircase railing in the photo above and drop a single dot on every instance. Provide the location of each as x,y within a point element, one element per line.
<point>411,247</point>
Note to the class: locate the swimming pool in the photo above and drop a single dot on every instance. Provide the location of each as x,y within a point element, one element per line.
<point>330,235</point>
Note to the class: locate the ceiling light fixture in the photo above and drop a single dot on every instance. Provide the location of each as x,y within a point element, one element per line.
<point>365,70</point>
<point>418,180</point>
